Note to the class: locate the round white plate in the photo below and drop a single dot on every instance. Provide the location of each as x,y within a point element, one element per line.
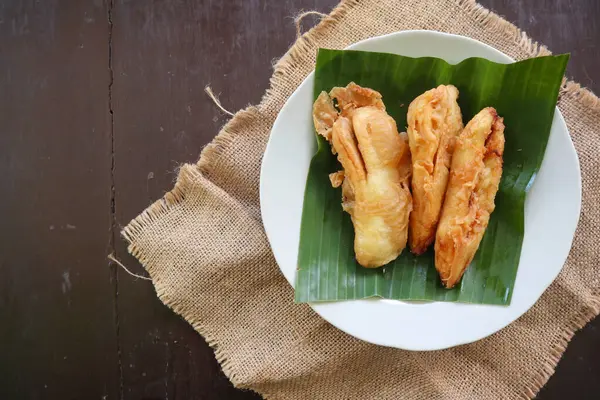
<point>551,215</point>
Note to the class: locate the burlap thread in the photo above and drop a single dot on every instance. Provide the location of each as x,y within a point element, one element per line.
<point>205,249</point>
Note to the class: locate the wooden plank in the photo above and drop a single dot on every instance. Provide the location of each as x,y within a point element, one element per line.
<point>57,335</point>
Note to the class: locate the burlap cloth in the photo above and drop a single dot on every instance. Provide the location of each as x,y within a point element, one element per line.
<point>204,246</point>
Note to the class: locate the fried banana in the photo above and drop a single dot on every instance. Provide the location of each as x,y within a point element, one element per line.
<point>434,121</point>
<point>474,179</point>
<point>376,171</point>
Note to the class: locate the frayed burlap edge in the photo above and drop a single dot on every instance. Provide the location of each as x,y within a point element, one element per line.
<point>306,42</point>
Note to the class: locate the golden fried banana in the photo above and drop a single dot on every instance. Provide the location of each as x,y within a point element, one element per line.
<point>382,200</point>
<point>474,178</point>
<point>375,178</point>
<point>434,121</point>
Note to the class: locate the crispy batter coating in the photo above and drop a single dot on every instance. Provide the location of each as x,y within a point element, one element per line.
<point>352,97</point>
<point>375,179</point>
<point>324,115</point>
<point>474,178</point>
<point>337,178</point>
<point>434,121</point>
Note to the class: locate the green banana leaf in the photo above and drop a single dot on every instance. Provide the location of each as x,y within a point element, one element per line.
<point>524,93</point>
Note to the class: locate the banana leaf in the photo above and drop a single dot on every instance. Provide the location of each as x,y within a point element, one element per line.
<point>524,93</point>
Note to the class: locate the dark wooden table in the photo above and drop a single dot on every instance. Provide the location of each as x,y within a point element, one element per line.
<point>101,101</point>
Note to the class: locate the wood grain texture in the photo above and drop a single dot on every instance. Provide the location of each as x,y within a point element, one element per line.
<point>102,100</point>
<point>57,331</point>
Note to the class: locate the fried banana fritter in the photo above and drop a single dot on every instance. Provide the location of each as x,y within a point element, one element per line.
<point>375,179</point>
<point>434,121</point>
<point>474,178</point>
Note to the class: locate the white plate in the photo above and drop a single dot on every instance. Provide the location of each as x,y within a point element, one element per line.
<point>551,215</point>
